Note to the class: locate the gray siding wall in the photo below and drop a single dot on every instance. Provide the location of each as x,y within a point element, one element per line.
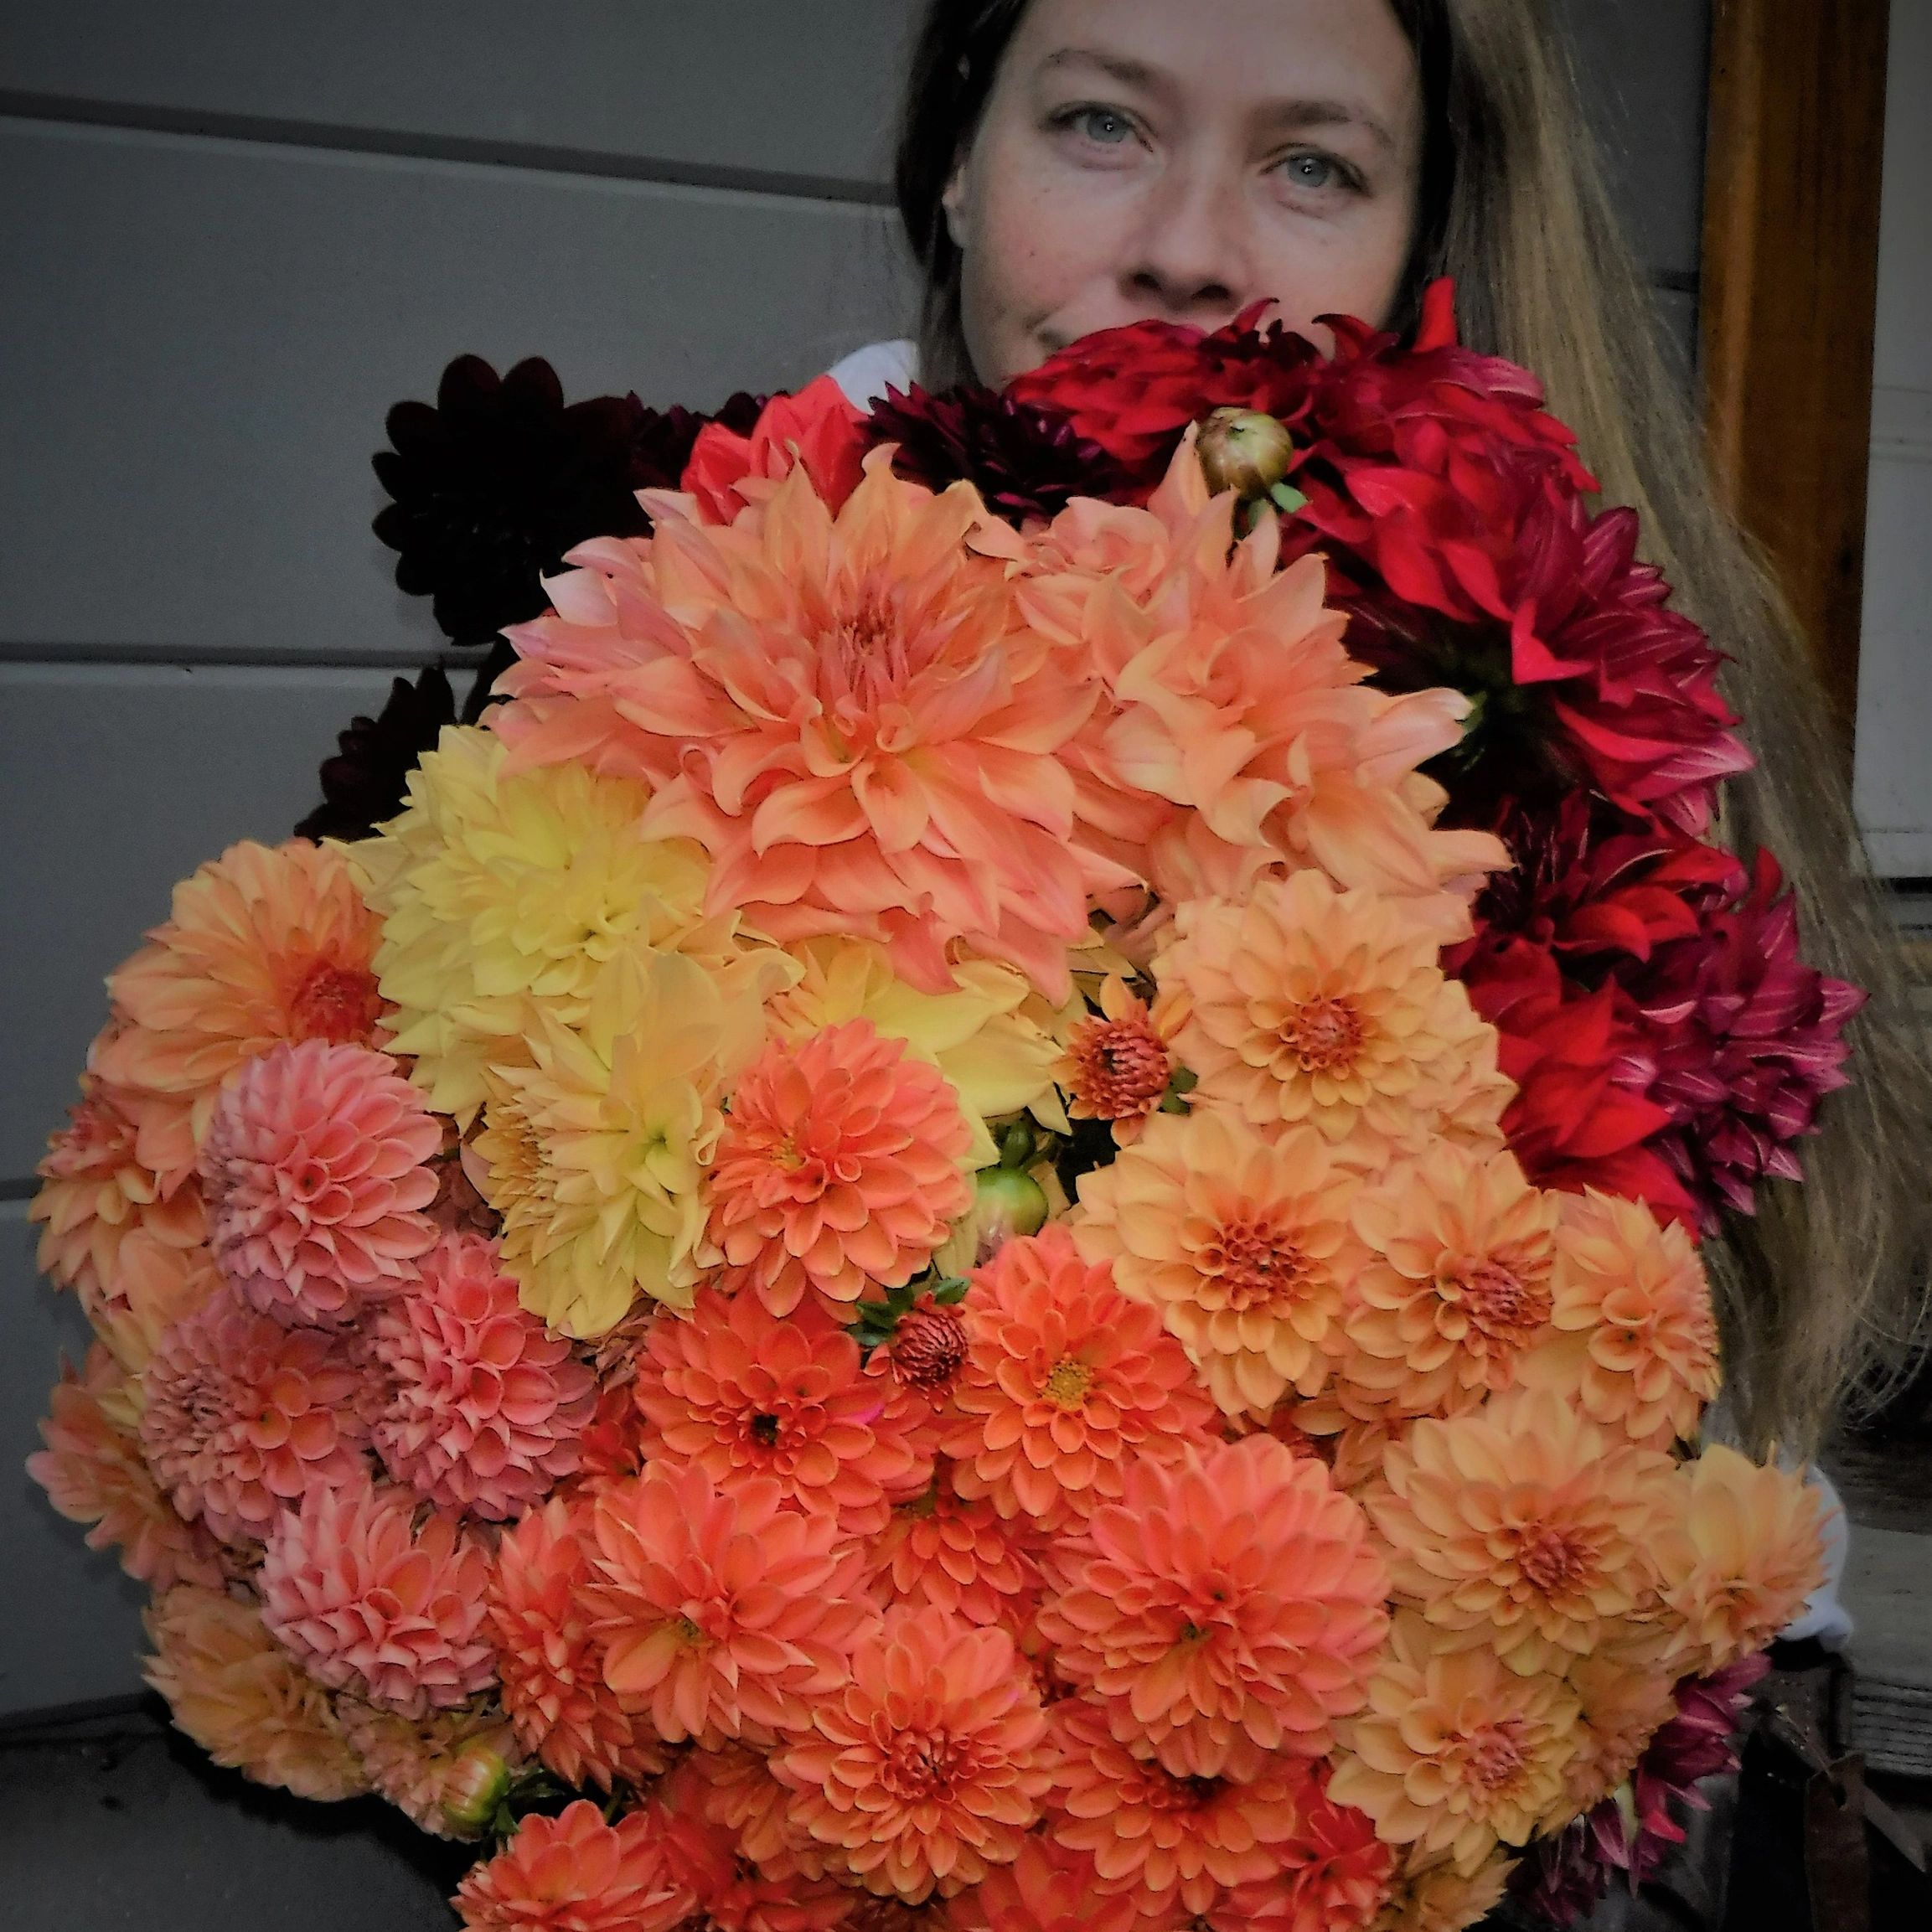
<point>230,235</point>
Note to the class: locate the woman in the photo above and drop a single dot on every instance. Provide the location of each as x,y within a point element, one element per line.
<point>1071,165</point>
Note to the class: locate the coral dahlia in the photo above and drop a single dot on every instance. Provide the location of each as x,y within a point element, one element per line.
<point>719,1611</point>
<point>313,1170</point>
<point>1227,1607</point>
<point>1242,1243</point>
<point>957,1554</point>
<point>1065,1384</point>
<point>1118,1064</point>
<point>242,1417</point>
<point>928,1767</point>
<point>1046,1888</point>
<point>839,1168</point>
<point>482,1407</point>
<point>745,1396</point>
<point>370,1602</point>
<point>575,1873</point>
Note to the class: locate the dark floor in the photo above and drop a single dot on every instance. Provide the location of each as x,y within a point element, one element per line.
<point>115,1820</point>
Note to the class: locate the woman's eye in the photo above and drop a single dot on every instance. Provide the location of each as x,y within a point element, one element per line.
<point>1100,125</point>
<point>1313,171</point>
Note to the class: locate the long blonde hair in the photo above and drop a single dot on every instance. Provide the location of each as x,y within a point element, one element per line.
<point>1822,1291</point>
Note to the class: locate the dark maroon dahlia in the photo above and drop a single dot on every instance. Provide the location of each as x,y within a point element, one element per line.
<point>366,780</point>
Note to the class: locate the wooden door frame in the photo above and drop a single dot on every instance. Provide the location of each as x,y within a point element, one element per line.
<point>1789,296</point>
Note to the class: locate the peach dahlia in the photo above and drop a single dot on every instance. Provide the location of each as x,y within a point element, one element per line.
<point>576,1872</point>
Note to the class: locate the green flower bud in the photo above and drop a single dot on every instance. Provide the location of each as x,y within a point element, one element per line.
<point>478,1783</point>
<point>1245,450</point>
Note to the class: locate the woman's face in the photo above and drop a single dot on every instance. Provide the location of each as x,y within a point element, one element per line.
<point>1148,158</point>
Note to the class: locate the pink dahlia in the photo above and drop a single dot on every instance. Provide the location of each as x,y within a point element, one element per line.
<point>484,1405</point>
<point>849,712</point>
<point>369,1603</point>
<point>551,1662</point>
<point>314,1170</point>
<point>745,1396</point>
<point>839,1168</point>
<point>576,1872</point>
<point>242,1416</point>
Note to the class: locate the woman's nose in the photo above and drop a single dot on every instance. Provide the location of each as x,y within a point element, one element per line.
<point>1187,256</point>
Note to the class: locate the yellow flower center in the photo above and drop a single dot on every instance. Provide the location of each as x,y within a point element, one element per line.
<point>1066,1386</point>
<point>1324,1037</point>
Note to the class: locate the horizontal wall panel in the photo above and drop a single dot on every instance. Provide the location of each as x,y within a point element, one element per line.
<point>115,782</point>
<point>1893,781</point>
<point>766,85</point>
<point>69,1619</point>
<point>201,338</point>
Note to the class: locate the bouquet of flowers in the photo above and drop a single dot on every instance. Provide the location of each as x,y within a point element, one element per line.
<point>985,1215</point>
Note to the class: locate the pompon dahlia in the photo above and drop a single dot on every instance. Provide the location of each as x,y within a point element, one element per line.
<point>314,1170</point>
<point>745,1396</point>
<point>594,1153</point>
<point>502,894</point>
<point>370,1602</point>
<point>1307,1006</point>
<point>839,1168</point>
<point>93,1473</point>
<point>1227,1607</point>
<point>1458,1285</point>
<point>1046,1888</point>
<point>1744,1553</point>
<point>240,1695</point>
<point>262,945</point>
<point>876,753</point>
<point>1025,461</point>
<point>432,1769</point>
<point>1525,1524</point>
<point>95,1190</point>
<point>1169,1838</point>
<point>1635,1337</point>
<point>1066,1384</point>
<point>1118,1064</point>
<point>551,1661</point>
<point>928,1767</point>
<point>575,1873</point>
<point>481,1406</point>
<point>1456,1752</point>
<point>241,1417</point>
<point>1242,1245</point>
<point>957,1554</point>
<point>720,1612</point>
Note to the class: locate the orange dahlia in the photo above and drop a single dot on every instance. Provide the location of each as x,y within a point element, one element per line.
<point>1456,1752</point>
<point>848,713</point>
<point>736,1791</point>
<point>957,1554</point>
<point>1066,1382</point>
<point>551,1662</point>
<point>746,1396</point>
<point>1118,1064</point>
<point>241,1416</point>
<point>95,1190</point>
<point>1636,1338</point>
<point>93,1473</point>
<point>575,1874</point>
<point>719,1611</point>
<point>156,1284</point>
<point>839,1168</point>
<point>1166,1837</point>
<point>240,1695</point>
<point>1302,1005</point>
<point>1333,1878</point>
<point>1458,1285</point>
<point>1227,1607</point>
<point>262,945</point>
<point>313,1167</point>
<point>928,1767</point>
<point>1744,1552</point>
<point>1046,1888</point>
<point>1622,1707</point>
<point>1525,1522</point>
<point>370,1602</point>
<point>1242,1244</point>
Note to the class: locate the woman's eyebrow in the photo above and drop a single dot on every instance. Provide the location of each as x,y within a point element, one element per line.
<point>1117,66</point>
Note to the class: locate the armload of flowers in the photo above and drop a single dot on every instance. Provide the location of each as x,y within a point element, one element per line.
<point>986,1219</point>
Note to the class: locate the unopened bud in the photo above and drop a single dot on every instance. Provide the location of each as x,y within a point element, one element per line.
<point>1245,450</point>
<point>477,1783</point>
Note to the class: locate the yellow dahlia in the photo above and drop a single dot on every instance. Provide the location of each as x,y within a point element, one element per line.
<point>1635,1337</point>
<point>498,895</point>
<point>1302,1005</point>
<point>593,1153</point>
<point>1456,1752</point>
<point>1434,1895</point>
<point>1526,1523</point>
<point>1458,1284</point>
<point>263,945</point>
<point>240,1695</point>
<point>1744,1553</point>
<point>1243,1244</point>
<point>848,711</point>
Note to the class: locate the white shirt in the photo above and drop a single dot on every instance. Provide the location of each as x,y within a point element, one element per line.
<point>867,374</point>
